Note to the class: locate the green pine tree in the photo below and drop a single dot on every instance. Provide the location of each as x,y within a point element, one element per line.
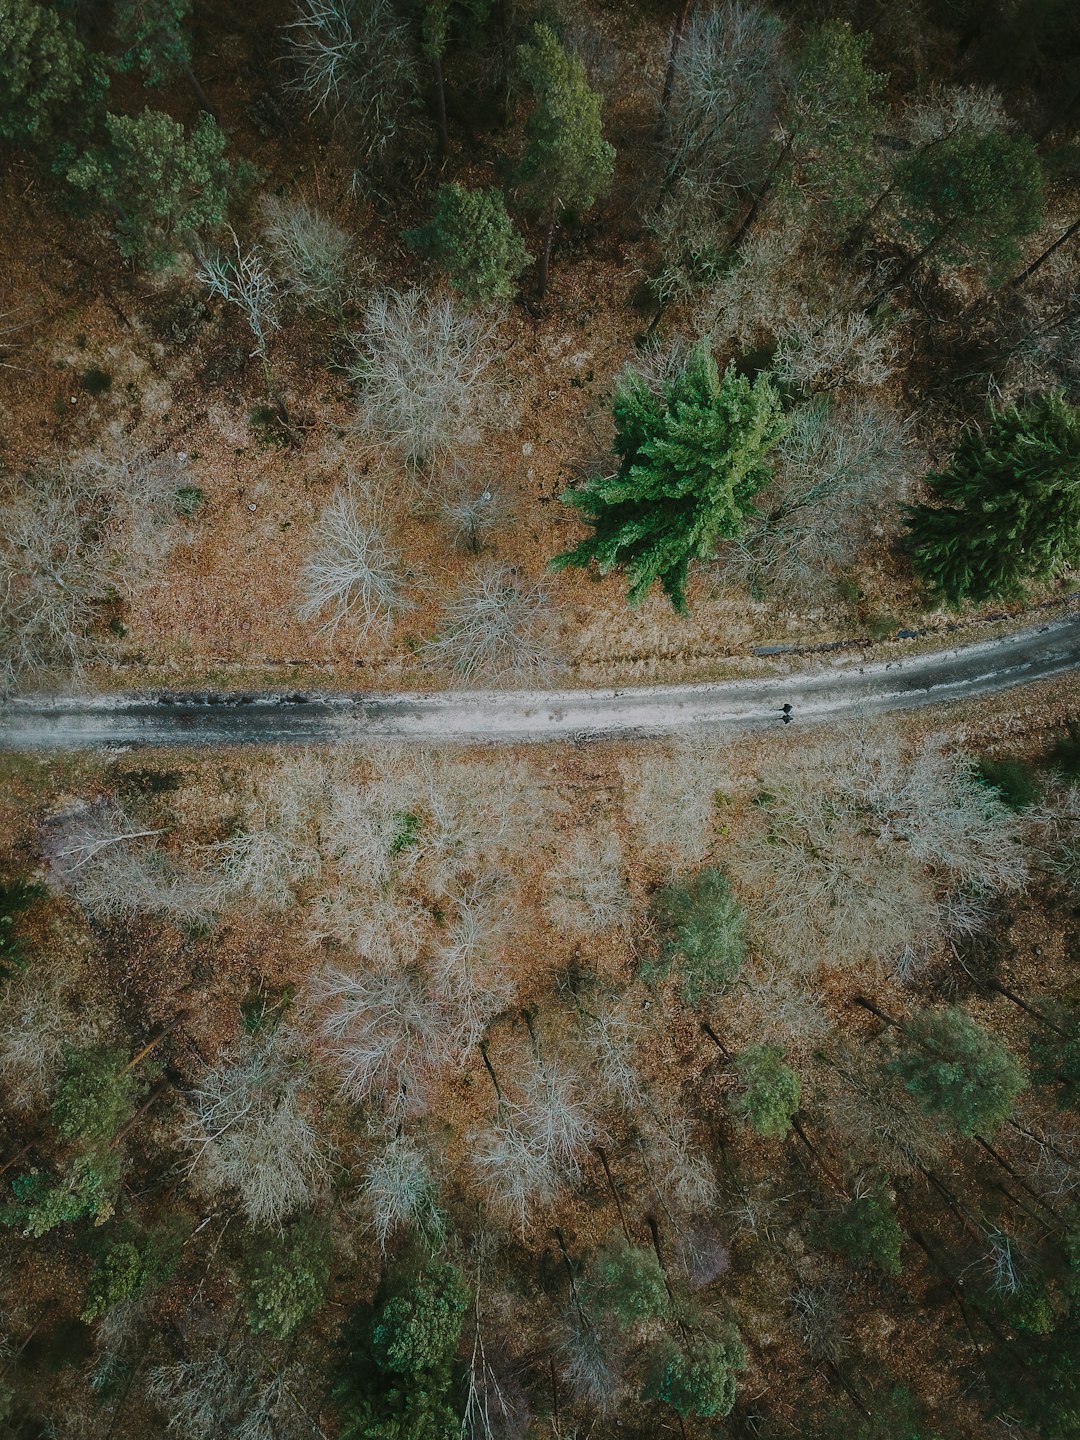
<point>970,198</point>
<point>163,187</point>
<point>769,1091</point>
<point>692,459</point>
<point>836,113</point>
<point>567,164</point>
<point>474,240</point>
<point>696,1375</point>
<point>867,1231</point>
<point>41,1201</point>
<point>626,1282</point>
<point>398,1378</point>
<point>702,935</point>
<point>96,1094</point>
<point>49,82</point>
<point>152,37</point>
<point>285,1278</point>
<point>1009,510</point>
<point>958,1071</point>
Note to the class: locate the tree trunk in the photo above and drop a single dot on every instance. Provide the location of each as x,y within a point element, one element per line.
<point>1010,1170</point>
<point>155,1094</point>
<point>614,1193</point>
<point>866,1004</point>
<point>491,1071</point>
<point>1039,260</point>
<point>545,261</point>
<point>755,204</point>
<point>676,43</point>
<point>711,1033</point>
<point>440,107</point>
<point>909,269</point>
<point>200,93</point>
<point>173,1024</point>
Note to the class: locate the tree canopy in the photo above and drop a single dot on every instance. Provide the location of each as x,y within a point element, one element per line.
<point>958,1071</point>
<point>693,456</point>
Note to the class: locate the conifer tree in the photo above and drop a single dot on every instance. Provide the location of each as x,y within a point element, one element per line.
<point>703,935</point>
<point>442,21</point>
<point>1011,505</point>
<point>96,1094</point>
<point>696,1376</point>
<point>969,199</point>
<point>286,1277</point>
<point>567,164</point>
<point>398,1377</point>
<point>163,187</point>
<point>152,36</point>
<point>769,1091</point>
<point>474,240</point>
<point>958,1071</point>
<point>693,456</point>
<point>867,1232</point>
<point>48,79</point>
<point>626,1282</point>
<point>836,112</point>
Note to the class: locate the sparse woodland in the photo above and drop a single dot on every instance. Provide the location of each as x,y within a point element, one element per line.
<point>721,1087</point>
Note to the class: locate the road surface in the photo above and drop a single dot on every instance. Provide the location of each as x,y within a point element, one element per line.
<point>831,691</point>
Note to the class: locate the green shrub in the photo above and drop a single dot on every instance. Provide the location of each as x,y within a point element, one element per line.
<point>96,1094</point>
<point>625,1281</point>
<point>768,1097</point>
<point>696,1376</point>
<point>474,240</point>
<point>958,1071</point>
<point>702,935</point>
<point>285,1278</point>
<point>868,1232</point>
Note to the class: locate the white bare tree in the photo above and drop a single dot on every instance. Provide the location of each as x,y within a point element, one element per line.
<point>208,1397</point>
<point>842,469</point>
<point>353,574</point>
<point>588,892</point>
<point>854,855</point>
<point>354,62</point>
<point>246,281</point>
<point>386,1034</point>
<point>315,260</point>
<point>252,1126</point>
<point>399,1189</point>
<point>468,966</point>
<point>671,798</point>
<point>841,350</point>
<point>420,369</point>
<point>497,627</point>
<point>114,868</point>
<point>472,513</point>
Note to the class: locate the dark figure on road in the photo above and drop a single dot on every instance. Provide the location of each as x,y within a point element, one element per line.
<point>787,714</point>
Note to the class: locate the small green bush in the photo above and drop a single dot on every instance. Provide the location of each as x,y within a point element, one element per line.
<point>768,1097</point>
<point>285,1278</point>
<point>867,1231</point>
<point>96,1095</point>
<point>702,935</point>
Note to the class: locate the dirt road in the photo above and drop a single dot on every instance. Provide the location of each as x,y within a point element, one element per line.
<point>831,691</point>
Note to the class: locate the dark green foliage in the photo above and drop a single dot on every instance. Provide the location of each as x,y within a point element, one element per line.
<point>1055,1060</point>
<point>152,36</point>
<point>969,199</point>
<point>837,113</point>
<point>15,896</point>
<point>407,833</point>
<point>398,1378</point>
<point>1036,1379</point>
<point>703,935</point>
<point>567,164</point>
<point>958,1071</point>
<point>41,1201</point>
<point>625,1282</point>
<point>447,22</point>
<point>692,458</point>
<point>189,498</point>
<point>163,187</point>
<point>48,80</point>
<point>1014,780</point>
<point>896,1415</point>
<point>768,1096</point>
<point>1010,505</point>
<point>474,240</point>
<point>696,1376</point>
<point>95,1094</point>
<point>285,1277</point>
<point>126,1262</point>
<point>867,1231</point>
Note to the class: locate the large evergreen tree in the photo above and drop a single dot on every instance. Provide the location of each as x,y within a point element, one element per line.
<point>969,199</point>
<point>693,456</point>
<point>473,238</point>
<point>958,1071</point>
<point>162,186</point>
<point>48,79</point>
<point>1010,510</point>
<point>567,164</point>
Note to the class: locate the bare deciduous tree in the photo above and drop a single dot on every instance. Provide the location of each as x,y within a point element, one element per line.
<point>836,352</point>
<point>841,470</point>
<point>251,1124</point>
<point>354,62</point>
<point>472,513</point>
<point>204,1398</point>
<point>315,259</point>
<point>354,574</point>
<point>245,280</point>
<point>671,799</point>
<point>420,370</point>
<point>588,892</point>
<point>400,1191</point>
<point>859,845</point>
<point>497,628</point>
<point>102,857</point>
